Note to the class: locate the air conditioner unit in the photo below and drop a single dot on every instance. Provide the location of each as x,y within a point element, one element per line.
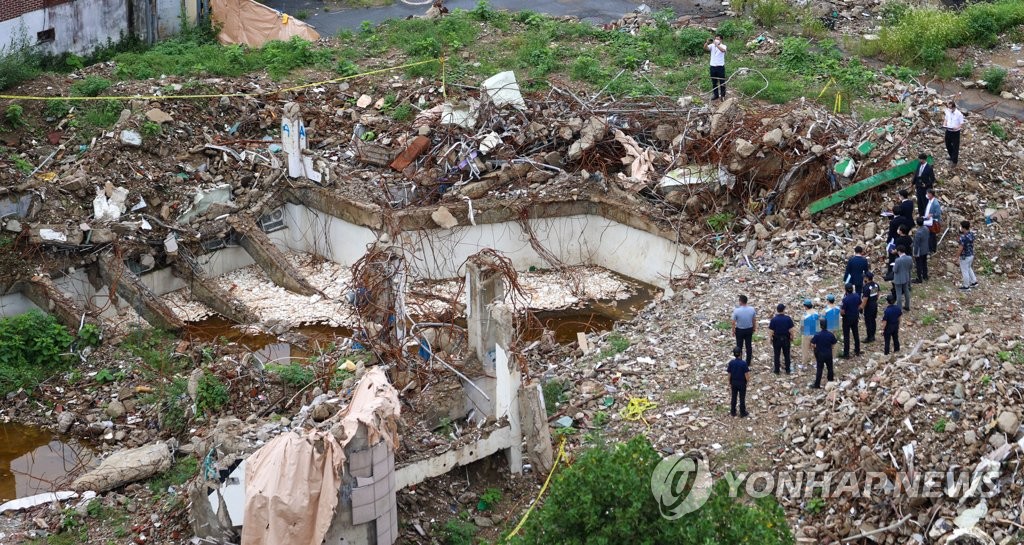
<point>274,221</point>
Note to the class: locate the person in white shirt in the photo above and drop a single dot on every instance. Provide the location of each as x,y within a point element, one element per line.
<point>717,49</point>
<point>933,219</point>
<point>953,122</point>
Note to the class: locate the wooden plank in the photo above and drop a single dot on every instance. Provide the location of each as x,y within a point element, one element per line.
<point>857,188</point>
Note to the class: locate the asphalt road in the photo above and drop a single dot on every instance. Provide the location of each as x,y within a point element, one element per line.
<point>596,11</point>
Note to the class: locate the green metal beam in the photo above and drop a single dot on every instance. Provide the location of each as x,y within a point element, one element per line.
<point>898,171</point>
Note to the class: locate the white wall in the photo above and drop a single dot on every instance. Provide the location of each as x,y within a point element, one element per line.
<point>81,25</point>
<point>440,253</point>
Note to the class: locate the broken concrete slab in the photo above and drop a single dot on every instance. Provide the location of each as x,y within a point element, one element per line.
<point>202,200</point>
<point>123,282</point>
<point>156,115</point>
<point>125,467</point>
<point>444,218</point>
<point>270,258</point>
<point>131,138</point>
<point>503,90</point>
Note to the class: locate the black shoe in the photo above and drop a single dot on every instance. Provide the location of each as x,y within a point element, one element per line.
<point>965,288</point>
<point>732,414</point>
<point>974,284</point>
<point>744,415</point>
<point>917,281</point>
<point>857,353</point>
<point>885,353</point>
<point>869,340</point>
<point>906,309</point>
<point>844,357</point>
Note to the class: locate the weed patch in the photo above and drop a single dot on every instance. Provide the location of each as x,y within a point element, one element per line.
<point>607,490</point>
<point>33,346</point>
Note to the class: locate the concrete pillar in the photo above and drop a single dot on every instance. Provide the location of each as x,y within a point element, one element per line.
<point>270,258</point>
<point>484,287</point>
<point>45,295</point>
<point>534,425</point>
<point>207,292</point>
<point>124,283</point>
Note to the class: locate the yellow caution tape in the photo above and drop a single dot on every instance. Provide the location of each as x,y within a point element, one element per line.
<point>636,408</point>
<point>522,521</point>
<point>220,95</point>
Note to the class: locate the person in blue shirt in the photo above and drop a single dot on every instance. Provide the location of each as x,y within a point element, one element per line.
<point>855,269</point>
<point>808,327</point>
<point>744,325</point>
<point>781,330</point>
<point>851,307</point>
<point>832,314</point>
<point>823,342</point>
<point>739,373</point>
<point>870,295</point>
<point>891,324</point>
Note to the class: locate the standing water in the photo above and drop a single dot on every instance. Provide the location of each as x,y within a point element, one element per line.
<point>33,461</point>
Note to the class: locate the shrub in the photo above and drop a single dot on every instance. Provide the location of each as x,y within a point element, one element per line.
<point>588,69</point>
<point>994,78</point>
<point>692,40</point>
<point>606,496</point>
<point>19,61</point>
<point>91,86</point>
<point>293,374</point>
<point>212,394</point>
<point>151,129</point>
<point>769,13</point>
<point>998,131</point>
<point>90,335</point>
<point>735,28</point>
<point>13,115</point>
<point>965,70</point>
<point>894,11</point>
<point>32,347</point>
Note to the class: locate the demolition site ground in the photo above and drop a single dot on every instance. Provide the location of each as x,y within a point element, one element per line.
<point>200,297</point>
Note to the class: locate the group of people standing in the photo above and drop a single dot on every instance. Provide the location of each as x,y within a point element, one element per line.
<point>818,329</point>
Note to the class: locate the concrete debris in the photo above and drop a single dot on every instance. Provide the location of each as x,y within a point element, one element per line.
<point>124,467</point>
<point>503,90</point>
<point>131,138</point>
<point>444,218</point>
<point>109,204</point>
<point>156,115</point>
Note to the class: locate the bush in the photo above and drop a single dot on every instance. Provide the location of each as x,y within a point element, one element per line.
<point>91,86</point>
<point>994,78</point>
<point>33,346</point>
<point>998,131</point>
<point>293,374</point>
<point>894,11</point>
<point>735,28</point>
<point>19,61</point>
<point>212,394</point>
<point>692,40</point>
<point>769,13</point>
<point>606,497</point>
<point>14,116</point>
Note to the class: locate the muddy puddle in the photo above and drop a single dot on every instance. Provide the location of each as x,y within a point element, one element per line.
<point>33,461</point>
<point>304,341</point>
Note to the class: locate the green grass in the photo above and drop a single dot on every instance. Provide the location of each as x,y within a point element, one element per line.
<point>997,130</point>
<point>180,473</point>
<point>929,319</point>
<point>920,36</point>
<point>869,111</point>
<point>683,396</point>
<point>615,344</point>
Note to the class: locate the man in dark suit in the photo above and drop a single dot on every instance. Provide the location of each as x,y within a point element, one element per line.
<point>855,269</point>
<point>906,206</point>
<point>924,179</point>
<point>899,220</point>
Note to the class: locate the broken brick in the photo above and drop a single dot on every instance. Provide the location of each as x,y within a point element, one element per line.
<point>410,153</point>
